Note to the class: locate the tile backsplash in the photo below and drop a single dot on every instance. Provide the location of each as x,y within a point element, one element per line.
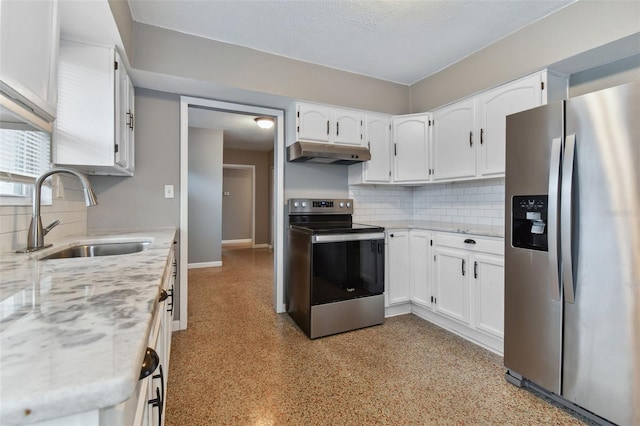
<point>473,202</point>
<point>68,207</point>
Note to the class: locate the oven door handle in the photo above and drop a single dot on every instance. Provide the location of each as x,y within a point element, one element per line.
<point>336,238</point>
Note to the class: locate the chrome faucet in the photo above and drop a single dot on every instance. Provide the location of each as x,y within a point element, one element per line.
<point>35,238</point>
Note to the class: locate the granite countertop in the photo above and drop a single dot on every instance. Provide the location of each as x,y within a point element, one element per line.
<point>459,228</point>
<point>73,332</point>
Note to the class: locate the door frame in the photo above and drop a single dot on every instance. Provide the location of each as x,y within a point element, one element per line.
<point>279,148</point>
<point>252,168</point>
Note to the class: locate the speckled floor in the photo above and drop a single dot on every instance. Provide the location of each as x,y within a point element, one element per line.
<point>239,363</point>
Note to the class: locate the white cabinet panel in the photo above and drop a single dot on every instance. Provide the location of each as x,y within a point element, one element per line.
<point>420,249</point>
<point>488,286</point>
<point>94,129</point>
<point>398,286</point>
<point>411,148</point>
<point>348,127</point>
<point>454,150</point>
<point>29,34</point>
<point>313,123</point>
<point>493,107</point>
<point>452,283</point>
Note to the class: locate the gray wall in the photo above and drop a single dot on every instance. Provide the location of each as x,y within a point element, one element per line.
<point>237,203</point>
<point>577,28</point>
<point>169,52</point>
<point>205,195</point>
<point>261,160</point>
<point>620,72</point>
<point>138,201</point>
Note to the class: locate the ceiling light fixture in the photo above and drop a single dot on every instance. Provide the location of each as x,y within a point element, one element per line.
<point>264,122</point>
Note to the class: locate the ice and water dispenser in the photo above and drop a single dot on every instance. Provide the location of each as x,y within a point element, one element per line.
<point>529,222</point>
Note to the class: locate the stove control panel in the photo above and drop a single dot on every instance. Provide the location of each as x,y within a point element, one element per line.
<point>320,206</point>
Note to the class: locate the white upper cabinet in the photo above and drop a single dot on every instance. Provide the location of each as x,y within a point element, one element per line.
<point>493,108</point>
<point>319,123</point>
<point>95,124</point>
<point>454,150</point>
<point>378,141</point>
<point>29,34</point>
<point>469,135</point>
<point>411,148</point>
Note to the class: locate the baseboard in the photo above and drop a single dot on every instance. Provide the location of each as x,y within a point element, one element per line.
<point>205,265</point>
<point>240,241</point>
<point>260,246</point>
<point>395,310</point>
<point>175,326</point>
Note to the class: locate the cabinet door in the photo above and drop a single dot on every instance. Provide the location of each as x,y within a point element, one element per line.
<point>451,281</point>
<point>411,149</point>
<point>488,289</point>
<point>454,148</point>
<point>313,123</point>
<point>399,282</point>
<point>348,127</point>
<point>121,114</point>
<point>420,249</point>
<point>378,169</point>
<point>85,127</point>
<point>29,34</point>
<point>493,107</point>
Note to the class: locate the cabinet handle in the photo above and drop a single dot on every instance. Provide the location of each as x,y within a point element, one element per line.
<point>391,235</point>
<point>337,128</point>
<point>131,127</point>
<point>170,303</point>
<point>475,269</point>
<point>469,241</point>
<point>481,136</point>
<point>327,127</point>
<point>161,377</point>
<point>369,146</point>
<point>470,138</point>
<point>157,402</point>
<point>463,271</point>
<point>395,149</point>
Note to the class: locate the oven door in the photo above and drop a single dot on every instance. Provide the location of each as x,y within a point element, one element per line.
<point>346,266</point>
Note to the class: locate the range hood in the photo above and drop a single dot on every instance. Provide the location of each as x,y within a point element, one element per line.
<point>325,153</point>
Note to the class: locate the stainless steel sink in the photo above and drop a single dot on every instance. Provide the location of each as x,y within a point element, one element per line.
<point>103,249</point>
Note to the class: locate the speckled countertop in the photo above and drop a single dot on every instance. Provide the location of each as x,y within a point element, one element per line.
<point>459,228</point>
<point>73,332</point>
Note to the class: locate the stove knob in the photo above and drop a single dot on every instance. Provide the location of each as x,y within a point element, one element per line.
<point>348,205</point>
<point>341,205</point>
<point>304,204</point>
<point>296,204</point>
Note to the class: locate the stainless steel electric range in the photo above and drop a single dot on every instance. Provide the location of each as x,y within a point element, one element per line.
<point>335,268</point>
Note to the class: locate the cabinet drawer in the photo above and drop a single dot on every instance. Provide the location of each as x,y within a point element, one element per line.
<point>482,244</point>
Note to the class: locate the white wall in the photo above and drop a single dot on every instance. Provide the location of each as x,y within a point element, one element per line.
<point>70,210</point>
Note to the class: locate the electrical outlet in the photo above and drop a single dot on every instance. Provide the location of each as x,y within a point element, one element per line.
<point>168,191</point>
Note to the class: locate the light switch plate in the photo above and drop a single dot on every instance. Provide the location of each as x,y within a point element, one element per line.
<point>168,191</point>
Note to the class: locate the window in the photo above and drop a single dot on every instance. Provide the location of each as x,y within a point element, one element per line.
<point>25,153</point>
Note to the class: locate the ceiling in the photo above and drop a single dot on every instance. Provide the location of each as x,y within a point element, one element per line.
<point>240,131</point>
<point>401,41</point>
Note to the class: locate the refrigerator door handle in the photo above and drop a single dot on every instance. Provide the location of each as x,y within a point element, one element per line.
<point>566,219</point>
<point>552,217</point>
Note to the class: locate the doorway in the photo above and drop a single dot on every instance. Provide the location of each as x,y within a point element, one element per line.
<point>238,205</point>
<point>277,200</point>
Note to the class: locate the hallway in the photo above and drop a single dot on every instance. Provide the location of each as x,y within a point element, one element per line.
<point>239,363</point>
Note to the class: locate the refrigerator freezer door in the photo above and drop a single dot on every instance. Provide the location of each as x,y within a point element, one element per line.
<point>533,319</point>
<point>601,358</point>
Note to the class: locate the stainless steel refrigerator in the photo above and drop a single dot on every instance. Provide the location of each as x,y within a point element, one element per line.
<point>572,252</point>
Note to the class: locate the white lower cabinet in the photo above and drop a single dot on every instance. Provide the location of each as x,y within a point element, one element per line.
<point>398,282</point>
<point>453,280</point>
<point>420,243</point>
<point>451,283</point>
